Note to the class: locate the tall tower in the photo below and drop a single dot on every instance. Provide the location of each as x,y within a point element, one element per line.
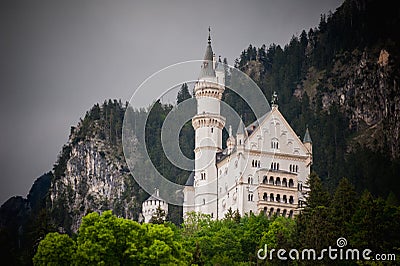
<point>208,124</point>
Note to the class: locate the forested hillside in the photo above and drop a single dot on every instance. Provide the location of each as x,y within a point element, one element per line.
<point>342,80</point>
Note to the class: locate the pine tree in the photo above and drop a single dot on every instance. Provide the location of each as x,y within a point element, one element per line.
<point>343,206</point>
<point>183,94</point>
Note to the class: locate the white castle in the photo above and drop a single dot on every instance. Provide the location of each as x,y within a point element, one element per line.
<point>264,168</point>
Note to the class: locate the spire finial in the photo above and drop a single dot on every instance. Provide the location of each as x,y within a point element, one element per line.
<point>274,100</point>
<point>209,35</point>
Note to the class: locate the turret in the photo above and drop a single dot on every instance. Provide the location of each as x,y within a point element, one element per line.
<point>208,125</point>
<point>308,143</point>
<point>240,135</point>
<point>230,142</point>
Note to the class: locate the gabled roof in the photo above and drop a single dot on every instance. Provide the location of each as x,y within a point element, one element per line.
<point>274,112</point>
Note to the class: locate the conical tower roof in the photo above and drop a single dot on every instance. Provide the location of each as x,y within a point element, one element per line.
<point>307,137</point>
<point>207,69</point>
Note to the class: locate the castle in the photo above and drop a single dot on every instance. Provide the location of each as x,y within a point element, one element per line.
<point>264,167</point>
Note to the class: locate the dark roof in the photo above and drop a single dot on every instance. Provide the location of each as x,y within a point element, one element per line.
<point>241,128</point>
<point>207,69</point>
<point>190,180</point>
<point>307,137</point>
<point>219,65</point>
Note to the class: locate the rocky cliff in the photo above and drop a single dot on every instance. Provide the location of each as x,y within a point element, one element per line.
<point>94,174</point>
<point>365,87</point>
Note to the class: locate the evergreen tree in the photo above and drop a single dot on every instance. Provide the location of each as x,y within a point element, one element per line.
<point>183,94</point>
<point>343,206</point>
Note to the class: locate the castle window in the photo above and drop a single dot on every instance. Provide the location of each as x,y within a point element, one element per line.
<point>297,168</point>
<point>275,145</point>
<point>284,199</point>
<point>291,183</point>
<point>277,166</point>
<point>291,214</point>
<point>278,212</point>
<point>265,179</point>
<point>204,201</point>
<point>271,197</point>
<point>250,197</point>
<point>284,182</point>
<point>284,213</point>
<point>278,198</point>
<point>278,181</point>
<point>212,130</point>
<point>203,176</point>
<point>265,197</point>
<point>291,200</point>
<point>265,210</point>
<point>271,211</point>
<point>271,180</point>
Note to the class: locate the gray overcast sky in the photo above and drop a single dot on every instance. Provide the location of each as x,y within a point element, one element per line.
<point>58,58</point>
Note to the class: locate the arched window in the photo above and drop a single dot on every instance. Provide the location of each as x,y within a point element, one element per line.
<point>277,166</point>
<point>291,183</point>
<point>290,214</point>
<point>265,196</point>
<point>265,179</point>
<point>278,212</point>
<point>271,180</point>
<point>297,168</point>
<point>284,199</point>
<point>290,168</point>
<point>272,166</point>
<point>271,197</point>
<point>259,163</point>
<point>291,200</point>
<point>204,201</point>
<point>278,181</point>
<point>284,182</point>
<point>271,211</point>
<point>212,130</point>
<point>250,197</point>
<point>278,198</point>
<point>265,210</point>
<point>284,213</point>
